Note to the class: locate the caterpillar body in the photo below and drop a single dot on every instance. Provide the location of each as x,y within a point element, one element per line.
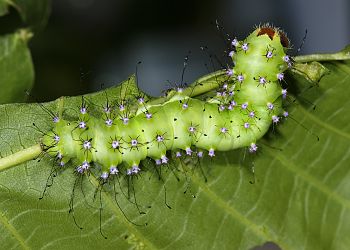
<point>240,113</point>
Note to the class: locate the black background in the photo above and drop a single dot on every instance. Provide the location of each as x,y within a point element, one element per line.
<point>92,43</point>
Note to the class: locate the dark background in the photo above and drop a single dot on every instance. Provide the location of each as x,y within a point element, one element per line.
<point>89,43</point>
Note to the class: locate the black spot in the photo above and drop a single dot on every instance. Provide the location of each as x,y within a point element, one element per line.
<point>175,119</point>
<point>210,117</point>
<point>175,137</point>
<point>205,134</point>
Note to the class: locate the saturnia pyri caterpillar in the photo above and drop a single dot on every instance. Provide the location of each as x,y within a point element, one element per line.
<point>245,106</point>
<point>113,141</point>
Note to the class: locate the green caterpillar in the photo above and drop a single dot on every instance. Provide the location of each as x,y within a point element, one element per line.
<point>239,114</point>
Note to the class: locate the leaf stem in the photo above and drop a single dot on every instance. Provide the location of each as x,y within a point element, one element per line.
<point>20,157</point>
<point>341,55</point>
<point>206,83</point>
<point>201,86</point>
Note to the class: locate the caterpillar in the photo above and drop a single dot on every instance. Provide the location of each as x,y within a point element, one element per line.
<point>121,135</point>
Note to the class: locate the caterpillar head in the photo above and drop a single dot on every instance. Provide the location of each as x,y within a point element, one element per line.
<point>273,33</point>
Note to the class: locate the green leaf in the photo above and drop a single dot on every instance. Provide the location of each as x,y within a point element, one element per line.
<point>16,67</point>
<point>34,13</point>
<point>3,8</point>
<point>300,199</point>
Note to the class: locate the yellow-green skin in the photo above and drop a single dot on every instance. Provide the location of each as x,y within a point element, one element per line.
<point>202,124</point>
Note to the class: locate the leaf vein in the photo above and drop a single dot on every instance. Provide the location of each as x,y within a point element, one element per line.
<point>13,231</point>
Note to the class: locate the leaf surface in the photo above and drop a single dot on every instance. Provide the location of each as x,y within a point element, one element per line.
<point>16,67</point>
<point>299,200</point>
